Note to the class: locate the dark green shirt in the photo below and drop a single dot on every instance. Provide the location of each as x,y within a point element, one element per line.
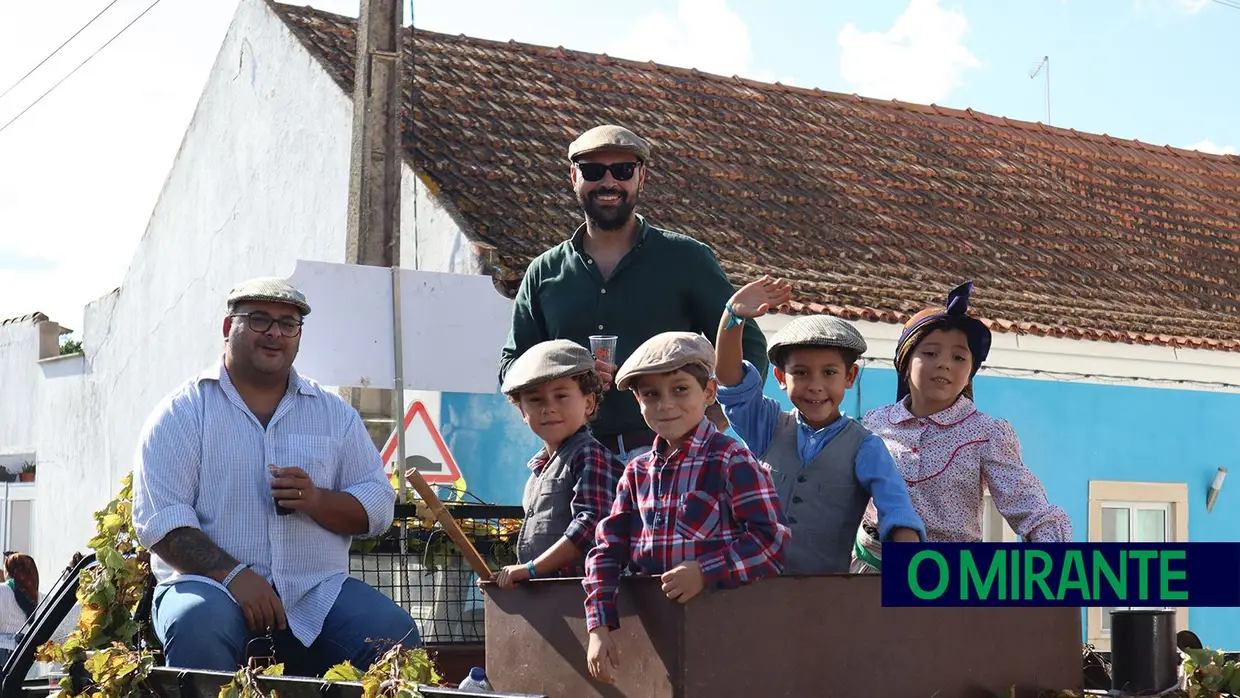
<point>667,282</point>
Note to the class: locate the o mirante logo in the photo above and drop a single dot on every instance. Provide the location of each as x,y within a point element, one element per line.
<point>1061,574</point>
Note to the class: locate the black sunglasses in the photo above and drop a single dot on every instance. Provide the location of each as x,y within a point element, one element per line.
<point>620,171</point>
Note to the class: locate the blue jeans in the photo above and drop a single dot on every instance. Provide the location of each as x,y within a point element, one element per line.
<point>201,627</point>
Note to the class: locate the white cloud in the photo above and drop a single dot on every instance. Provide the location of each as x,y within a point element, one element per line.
<point>702,34</point>
<point>1209,146</point>
<point>1192,6</point>
<point>921,58</point>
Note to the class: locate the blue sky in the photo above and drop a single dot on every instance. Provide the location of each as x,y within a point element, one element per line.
<point>1162,71</point>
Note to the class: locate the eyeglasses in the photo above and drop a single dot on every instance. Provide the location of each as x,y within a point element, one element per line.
<point>261,322</point>
<point>620,171</point>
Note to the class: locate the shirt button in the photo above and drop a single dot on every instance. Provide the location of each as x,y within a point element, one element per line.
<point>600,327</point>
<point>602,290</point>
<point>589,261</point>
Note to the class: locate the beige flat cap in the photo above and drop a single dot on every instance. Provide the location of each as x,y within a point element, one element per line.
<point>601,138</point>
<point>547,361</point>
<point>664,353</point>
<point>817,331</point>
<point>271,289</point>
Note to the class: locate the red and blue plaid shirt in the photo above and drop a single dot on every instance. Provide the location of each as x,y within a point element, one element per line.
<point>709,500</point>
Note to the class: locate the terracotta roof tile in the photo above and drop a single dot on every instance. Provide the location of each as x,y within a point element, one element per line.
<point>873,208</point>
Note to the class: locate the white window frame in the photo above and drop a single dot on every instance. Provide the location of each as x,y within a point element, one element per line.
<point>14,492</point>
<point>995,528</point>
<point>1133,495</point>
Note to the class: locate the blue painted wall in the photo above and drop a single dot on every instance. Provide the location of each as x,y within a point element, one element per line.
<point>1071,433</point>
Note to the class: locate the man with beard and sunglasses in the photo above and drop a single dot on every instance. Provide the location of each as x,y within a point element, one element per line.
<point>250,484</point>
<point>619,275</point>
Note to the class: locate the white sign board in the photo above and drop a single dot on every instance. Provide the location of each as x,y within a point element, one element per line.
<point>453,328</point>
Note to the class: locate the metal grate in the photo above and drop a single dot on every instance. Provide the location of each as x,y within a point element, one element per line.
<point>431,580</point>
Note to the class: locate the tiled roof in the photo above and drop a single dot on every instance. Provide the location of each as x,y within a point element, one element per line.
<point>872,208</point>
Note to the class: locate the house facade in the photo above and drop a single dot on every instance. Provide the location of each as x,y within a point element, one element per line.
<point>1106,268</point>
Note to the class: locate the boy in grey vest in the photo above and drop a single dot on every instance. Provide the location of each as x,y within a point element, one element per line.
<point>826,466</point>
<point>573,477</point>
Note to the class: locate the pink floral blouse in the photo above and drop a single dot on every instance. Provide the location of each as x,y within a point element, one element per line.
<point>945,460</point>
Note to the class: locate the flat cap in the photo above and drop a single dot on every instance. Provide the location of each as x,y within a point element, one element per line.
<point>547,361</point>
<point>817,331</point>
<point>271,289</point>
<point>602,138</point>
<point>664,353</point>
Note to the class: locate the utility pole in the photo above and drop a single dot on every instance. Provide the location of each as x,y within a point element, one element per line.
<point>374,181</point>
<point>373,236</point>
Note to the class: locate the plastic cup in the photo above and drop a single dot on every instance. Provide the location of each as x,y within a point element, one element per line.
<point>603,347</point>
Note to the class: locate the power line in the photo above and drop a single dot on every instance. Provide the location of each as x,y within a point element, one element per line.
<point>53,53</point>
<point>79,66</point>
<point>1227,3</point>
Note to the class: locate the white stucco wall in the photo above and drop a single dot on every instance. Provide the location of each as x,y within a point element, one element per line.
<point>19,389</point>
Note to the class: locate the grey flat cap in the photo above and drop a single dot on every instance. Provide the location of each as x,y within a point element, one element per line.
<point>817,331</point>
<point>271,289</point>
<point>664,353</point>
<point>547,361</point>
<point>602,138</point>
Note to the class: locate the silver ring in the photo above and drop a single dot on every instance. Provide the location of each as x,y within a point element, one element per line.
<point>299,494</point>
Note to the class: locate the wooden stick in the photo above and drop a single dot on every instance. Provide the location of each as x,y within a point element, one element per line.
<point>424,489</point>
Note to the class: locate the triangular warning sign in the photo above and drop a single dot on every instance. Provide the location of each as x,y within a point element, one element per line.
<point>424,449</point>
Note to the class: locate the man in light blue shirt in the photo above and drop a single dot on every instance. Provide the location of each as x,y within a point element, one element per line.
<point>250,483</point>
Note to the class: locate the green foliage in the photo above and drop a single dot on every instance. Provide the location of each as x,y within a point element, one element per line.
<point>429,544</point>
<point>397,674</point>
<point>1210,675</point>
<point>245,683</point>
<point>109,594</point>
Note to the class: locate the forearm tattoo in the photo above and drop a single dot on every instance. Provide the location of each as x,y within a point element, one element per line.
<point>190,551</point>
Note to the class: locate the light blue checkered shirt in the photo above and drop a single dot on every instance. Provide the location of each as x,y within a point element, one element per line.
<point>202,461</point>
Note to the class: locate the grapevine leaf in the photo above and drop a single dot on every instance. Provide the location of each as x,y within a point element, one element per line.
<point>343,671</point>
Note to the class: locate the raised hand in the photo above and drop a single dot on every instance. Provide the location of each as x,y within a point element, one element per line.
<point>756,298</point>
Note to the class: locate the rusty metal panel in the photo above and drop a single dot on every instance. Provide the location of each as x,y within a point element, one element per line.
<point>792,636</point>
<point>536,640</point>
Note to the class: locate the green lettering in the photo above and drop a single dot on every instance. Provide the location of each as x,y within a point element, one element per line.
<point>1143,572</point>
<point>1102,568</point>
<point>1015,567</point>
<point>1073,564</point>
<point>915,586</point>
<point>1166,575</point>
<point>970,577</point>
<point>1038,577</point>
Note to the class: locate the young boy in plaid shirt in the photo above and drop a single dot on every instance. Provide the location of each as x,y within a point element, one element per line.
<point>698,510</point>
<point>573,477</point>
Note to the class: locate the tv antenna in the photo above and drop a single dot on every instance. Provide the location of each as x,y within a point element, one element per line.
<point>1045,63</point>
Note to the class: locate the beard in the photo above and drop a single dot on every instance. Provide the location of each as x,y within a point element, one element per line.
<point>608,217</point>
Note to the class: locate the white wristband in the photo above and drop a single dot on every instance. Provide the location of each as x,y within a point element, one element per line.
<point>235,571</point>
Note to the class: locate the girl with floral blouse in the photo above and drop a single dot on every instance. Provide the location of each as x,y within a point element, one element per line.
<point>948,451</point>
